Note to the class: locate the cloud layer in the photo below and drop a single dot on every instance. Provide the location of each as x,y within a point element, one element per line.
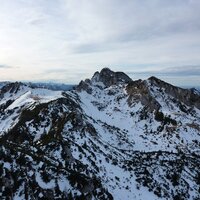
<point>2,66</point>
<point>54,39</point>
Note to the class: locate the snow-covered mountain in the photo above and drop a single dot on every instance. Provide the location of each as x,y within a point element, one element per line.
<point>109,138</point>
<point>3,83</point>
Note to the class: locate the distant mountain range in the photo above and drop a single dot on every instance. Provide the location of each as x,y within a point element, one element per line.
<point>65,87</point>
<point>109,137</point>
<point>51,86</point>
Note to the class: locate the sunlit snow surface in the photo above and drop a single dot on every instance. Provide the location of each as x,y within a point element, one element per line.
<point>24,98</point>
<point>113,110</point>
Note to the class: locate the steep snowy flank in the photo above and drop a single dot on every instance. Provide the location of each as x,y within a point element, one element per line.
<point>109,138</point>
<point>14,97</point>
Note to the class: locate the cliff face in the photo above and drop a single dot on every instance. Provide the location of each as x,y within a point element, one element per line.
<point>109,138</point>
<point>108,77</point>
<point>188,97</point>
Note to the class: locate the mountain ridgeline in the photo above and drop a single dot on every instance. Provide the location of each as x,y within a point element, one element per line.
<point>107,138</point>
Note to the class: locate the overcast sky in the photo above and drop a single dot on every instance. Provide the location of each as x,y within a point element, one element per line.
<point>68,40</point>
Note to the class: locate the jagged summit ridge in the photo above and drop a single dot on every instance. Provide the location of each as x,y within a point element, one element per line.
<point>12,87</point>
<point>139,90</point>
<point>109,77</point>
<point>188,96</point>
<point>104,78</point>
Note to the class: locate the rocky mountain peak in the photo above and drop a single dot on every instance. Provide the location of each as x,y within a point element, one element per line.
<point>104,78</point>
<point>109,77</point>
<point>11,87</point>
<point>158,82</point>
<point>187,96</point>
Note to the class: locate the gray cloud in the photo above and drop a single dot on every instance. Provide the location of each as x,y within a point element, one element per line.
<point>182,71</point>
<point>170,71</point>
<point>64,75</point>
<point>36,22</point>
<point>55,71</point>
<point>2,66</point>
<point>91,48</point>
<point>138,21</point>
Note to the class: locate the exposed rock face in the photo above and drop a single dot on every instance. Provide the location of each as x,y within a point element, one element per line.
<point>108,77</point>
<point>188,97</point>
<point>138,91</point>
<point>84,85</point>
<point>10,87</point>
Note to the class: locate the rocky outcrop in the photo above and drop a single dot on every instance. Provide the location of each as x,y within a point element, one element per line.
<point>11,87</point>
<point>188,97</point>
<point>84,85</point>
<point>138,91</point>
<point>109,77</point>
<point>106,78</point>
